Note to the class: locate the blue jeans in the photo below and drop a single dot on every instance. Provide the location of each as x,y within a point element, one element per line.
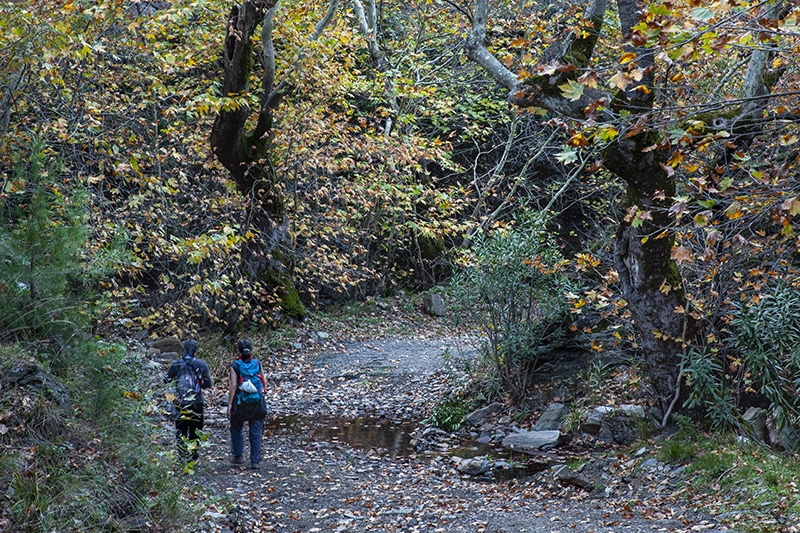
<point>254,432</point>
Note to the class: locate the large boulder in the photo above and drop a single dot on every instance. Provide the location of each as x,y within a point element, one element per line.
<point>477,416</point>
<point>552,418</point>
<point>433,305</point>
<point>756,418</point>
<point>781,435</point>
<point>165,345</point>
<point>595,419</point>
<point>610,424</point>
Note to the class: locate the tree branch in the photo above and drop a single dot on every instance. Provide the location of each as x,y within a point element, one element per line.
<point>333,6</point>
<point>542,91</point>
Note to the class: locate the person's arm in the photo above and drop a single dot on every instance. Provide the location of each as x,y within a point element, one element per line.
<point>231,391</point>
<point>261,375</point>
<point>171,372</point>
<point>205,381</point>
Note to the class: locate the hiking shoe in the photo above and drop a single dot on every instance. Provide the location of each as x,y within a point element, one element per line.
<point>237,460</point>
<point>254,466</point>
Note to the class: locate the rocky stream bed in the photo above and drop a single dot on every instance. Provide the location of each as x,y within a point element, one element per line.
<point>345,450</point>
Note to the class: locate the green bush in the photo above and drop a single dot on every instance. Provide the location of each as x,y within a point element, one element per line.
<point>97,470</point>
<point>43,232</point>
<point>763,358</point>
<point>512,288</point>
<point>449,415</point>
<point>766,331</point>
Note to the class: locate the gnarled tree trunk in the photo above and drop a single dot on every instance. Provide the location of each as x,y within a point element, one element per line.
<point>246,153</point>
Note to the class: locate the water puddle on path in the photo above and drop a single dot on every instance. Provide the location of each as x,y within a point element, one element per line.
<point>393,438</point>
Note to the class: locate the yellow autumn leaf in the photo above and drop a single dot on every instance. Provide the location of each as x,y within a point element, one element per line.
<point>792,205</point>
<point>620,80</point>
<point>734,211</point>
<point>627,57</point>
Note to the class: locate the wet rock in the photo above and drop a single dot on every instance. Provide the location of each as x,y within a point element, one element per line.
<point>474,466</point>
<point>433,305</point>
<point>475,417</point>
<point>530,441</point>
<point>552,417</point>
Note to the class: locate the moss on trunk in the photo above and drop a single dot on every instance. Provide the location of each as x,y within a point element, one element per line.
<point>290,301</point>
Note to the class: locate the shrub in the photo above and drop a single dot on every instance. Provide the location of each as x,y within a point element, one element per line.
<point>449,415</point>
<point>763,360</point>
<point>513,289</point>
<point>43,231</point>
<point>96,471</point>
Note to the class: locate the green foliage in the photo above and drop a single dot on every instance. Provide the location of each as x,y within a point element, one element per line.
<point>681,446</point>
<point>767,334</point>
<point>97,470</point>
<point>449,415</point>
<point>43,234</point>
<point>513,289</point>
<point>708,390</point>
<point>751,484</point>
<point>764,358</point>
<point>596,376</point>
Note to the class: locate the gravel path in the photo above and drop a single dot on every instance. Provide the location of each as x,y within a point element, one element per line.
<point>309,483</point>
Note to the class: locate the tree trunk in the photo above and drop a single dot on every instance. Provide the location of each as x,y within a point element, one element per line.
<point>246,154</point>
<point>649,278</point>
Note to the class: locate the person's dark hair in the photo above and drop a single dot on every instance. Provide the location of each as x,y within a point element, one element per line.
<point>189,348</point>
<point>245,348</point>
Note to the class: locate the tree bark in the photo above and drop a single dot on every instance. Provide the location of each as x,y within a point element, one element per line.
<point>649,278</point>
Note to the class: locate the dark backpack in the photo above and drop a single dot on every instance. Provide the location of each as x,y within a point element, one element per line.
<point>251,372</point>
<point>187,386</point>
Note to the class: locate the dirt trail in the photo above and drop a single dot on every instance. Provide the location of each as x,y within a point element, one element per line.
<point>310,484</point>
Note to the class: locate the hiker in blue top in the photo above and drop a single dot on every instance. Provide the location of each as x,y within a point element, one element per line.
<point>191,376</point>
<point>246,403</point>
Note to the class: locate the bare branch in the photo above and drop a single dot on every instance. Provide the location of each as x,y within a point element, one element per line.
<point>477,51</point>
<point>754,80</point>
<point>368,23</point>
<point>268,54</point>
<point>9,97</point>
